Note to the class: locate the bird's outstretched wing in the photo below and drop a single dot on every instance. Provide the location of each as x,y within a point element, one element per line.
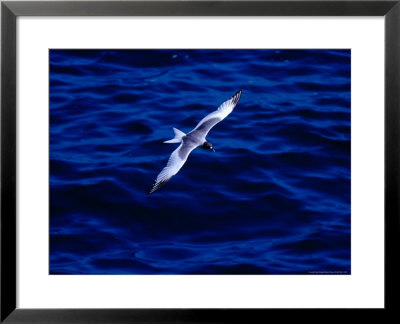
<point>174,164</point>
<point>208,122</point>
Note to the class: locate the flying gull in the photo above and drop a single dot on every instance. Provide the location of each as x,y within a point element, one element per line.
<point>195,138</point>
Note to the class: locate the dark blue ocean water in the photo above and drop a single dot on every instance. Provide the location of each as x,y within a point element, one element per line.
<point>273,199</point>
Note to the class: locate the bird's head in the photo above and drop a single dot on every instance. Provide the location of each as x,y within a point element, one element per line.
<point>208,146</point>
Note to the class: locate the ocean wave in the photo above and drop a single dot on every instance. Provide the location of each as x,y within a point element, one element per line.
<point>273,199</point>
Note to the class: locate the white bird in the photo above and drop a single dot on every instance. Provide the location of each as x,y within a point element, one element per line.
<point>195,138</point>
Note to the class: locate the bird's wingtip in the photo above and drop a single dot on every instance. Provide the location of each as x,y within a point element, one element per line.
<point>152,188</point>
<point>237,93</point>
<point>235,98</point>
<point>156,185</point>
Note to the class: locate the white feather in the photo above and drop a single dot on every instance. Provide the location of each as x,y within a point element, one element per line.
<point>178,136</point>
<point>223,110</point>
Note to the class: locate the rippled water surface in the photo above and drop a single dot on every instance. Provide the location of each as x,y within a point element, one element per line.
<point>273,199</point>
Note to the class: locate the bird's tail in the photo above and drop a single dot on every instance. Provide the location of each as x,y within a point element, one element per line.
<point>178,136</point>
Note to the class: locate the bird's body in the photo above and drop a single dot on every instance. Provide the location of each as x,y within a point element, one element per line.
<point>195,138</point>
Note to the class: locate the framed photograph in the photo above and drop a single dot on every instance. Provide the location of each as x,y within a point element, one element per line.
<point>198,161</point>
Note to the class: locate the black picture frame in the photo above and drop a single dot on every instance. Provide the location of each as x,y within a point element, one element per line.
<point>10,10</point>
